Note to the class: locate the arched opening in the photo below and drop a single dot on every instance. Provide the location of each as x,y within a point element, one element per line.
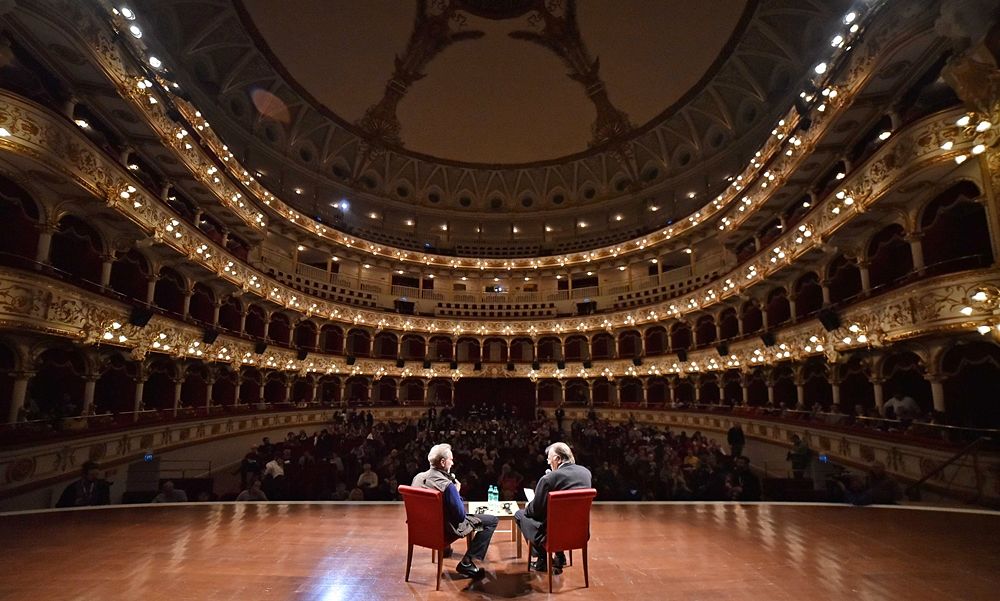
<point>808,295</point>
<point>8,365</point>
<point>729,324</point>
<point>629,344</point>
<point>704,330</point>
<point>955,231</point>
<point>159,389</point>
<point>76,249</point>
<point>521,350</point>
<point>708,389</point>
<point>856,393</point>
<point>305,335</point>
<point>170,291</point>
<point>602,346</point>
<point>816,383</point>
<point>440,392</point>
<point>194,390</point>
<point>279,329</point>
<point>889,256</point>
<point>114,391</point>
<point>779,310</point>
<point>972,372</point>
<point>550,392</point>
<point>250,381</point>
<point>384,391</point>
<point>495,350</point>
<point>468,350</point>
<point>386,345</point>
<point>630,392</point>
<point>224,390</point>
<point>357,390</point>
<point>56,389</point>
<point>302,390</point>
<point>275,388</point>
<point>256,318</point>
<point>732,390</point>
<point>412,347</point>
<point>359,343</point>
<point>683,391</point>
<point>844,280</point>
<point>680,336</point>
<point>577,392</point>
<point>230,315</point>
<point>656,392</point>
<point>655,340</point>
<point>440,349</point>
<point>20,215</point>
<point>577,348</point>
<point>329,390</point>
<point>202,306</point>
<point>412,391</point>
<point>783,381</point>
<point>332,339</point>
<point>903,375</point>
<point>757,388</point>
<point>130,275</point>
<point>549,349</point>
<point>753,318</point>
<point>602,391</point>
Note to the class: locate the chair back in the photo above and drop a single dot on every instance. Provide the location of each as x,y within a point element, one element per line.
<point>424,516</point>
<point>568,520</point>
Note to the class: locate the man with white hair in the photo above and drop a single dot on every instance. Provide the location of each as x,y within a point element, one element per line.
<point>564,475</point>
<point>458,524</point>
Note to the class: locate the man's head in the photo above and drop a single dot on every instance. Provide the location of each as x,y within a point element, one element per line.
<point>742,463</point>
<point>168,487</point>
<point>557,454</point>
<point>90,471</point>
<point>441,457</point>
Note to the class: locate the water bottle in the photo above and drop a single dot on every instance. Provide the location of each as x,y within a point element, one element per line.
<point>494,494</point>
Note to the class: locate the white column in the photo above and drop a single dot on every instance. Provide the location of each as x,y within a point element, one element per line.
<point>89,384</point>
<point>106,263</point>
<point>44,242</point>
<point>18,394</point>
<point>177,394</point>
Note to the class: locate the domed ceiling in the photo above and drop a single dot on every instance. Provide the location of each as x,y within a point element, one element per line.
<point>495,82</point>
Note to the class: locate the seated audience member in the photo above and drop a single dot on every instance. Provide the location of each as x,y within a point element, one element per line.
<point>254,492</point>
<point>368,481</point>
<point>877,489</point>
<point>356,494</point>
<point>903,407</point>
<point>565,475</point>
<point>458,524</point>
<point>170,494</point>
<point>799,456</point>
<point>274,478</point>
<point>88,490</point>
<point>744,485</point>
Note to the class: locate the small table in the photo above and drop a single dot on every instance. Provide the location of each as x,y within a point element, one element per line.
<point>504,510</point>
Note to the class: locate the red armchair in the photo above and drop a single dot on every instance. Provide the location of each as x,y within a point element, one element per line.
<point>568,525</point>
<point>424,524</point>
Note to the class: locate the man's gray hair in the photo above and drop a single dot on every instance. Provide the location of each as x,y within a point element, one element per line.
<point>438,453</point>
<point>562,450</point>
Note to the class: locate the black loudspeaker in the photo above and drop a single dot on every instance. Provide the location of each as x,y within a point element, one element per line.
<point>453,365</point>
<point>260,347</point>
<point>535,365</point>
<point>510,366</point>
<point>303,353</point>
<point>767,338</point>
<point>427,363</point>
<point>587,364</point>
<point>682,355</point>
<point>722,348</point>
<point>351,359</point>
<point>210,335</point>
<point>586,308</point>
<point>140,316</point>
<point>405,307</point>
<point>637,361</point>
<point>560,364</point>
<point>400,362</point>
<point>478,366</point>
<point>829,319</point>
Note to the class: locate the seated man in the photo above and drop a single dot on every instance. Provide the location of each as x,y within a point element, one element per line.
<point>565,475</point>
<point>458,524</point>
<point>170,494</point>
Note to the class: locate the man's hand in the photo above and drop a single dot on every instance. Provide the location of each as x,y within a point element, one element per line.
<point>458,486</point>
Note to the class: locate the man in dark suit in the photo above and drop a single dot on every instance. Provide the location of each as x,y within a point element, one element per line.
<point>564,475</point>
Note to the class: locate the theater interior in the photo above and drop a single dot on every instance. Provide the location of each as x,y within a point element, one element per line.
<point>634,226</point>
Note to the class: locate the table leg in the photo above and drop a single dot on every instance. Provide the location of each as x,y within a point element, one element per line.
<point>520,537</point>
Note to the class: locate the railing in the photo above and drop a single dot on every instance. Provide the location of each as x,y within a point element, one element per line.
<point>973,448</point>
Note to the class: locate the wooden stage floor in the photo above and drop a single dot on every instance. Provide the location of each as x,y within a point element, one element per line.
<point>638,551</point>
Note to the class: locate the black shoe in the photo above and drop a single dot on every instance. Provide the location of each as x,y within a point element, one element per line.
<point>470,570</point>
<point>540,566</point>
<point>560,561</point>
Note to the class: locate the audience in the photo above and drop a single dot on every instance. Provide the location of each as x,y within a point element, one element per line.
<point>90,489</point>
<point>254,492</point>
<point>170,494</point>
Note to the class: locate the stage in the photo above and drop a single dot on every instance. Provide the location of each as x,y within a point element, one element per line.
<point>638,551</point>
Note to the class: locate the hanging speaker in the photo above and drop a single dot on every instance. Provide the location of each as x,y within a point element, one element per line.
<point>682,355</point>
<point>510,366</point>
<point>535,365</point>
<point>260,347</point>
<point>767,338</point>
<point>400,362</point>
<point>560,364</point>
<point>478,366</point>
<point>303,353</point>
<point>586,308</point>
<point>722,348</point>
<point>140,316</point>
<point>351,359</point>
<point>587,364</point>
<point>453,365</point>
<point>427,363</point>
<point>637,361</point>
<point>209,336</point>
<point>829,319</point>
